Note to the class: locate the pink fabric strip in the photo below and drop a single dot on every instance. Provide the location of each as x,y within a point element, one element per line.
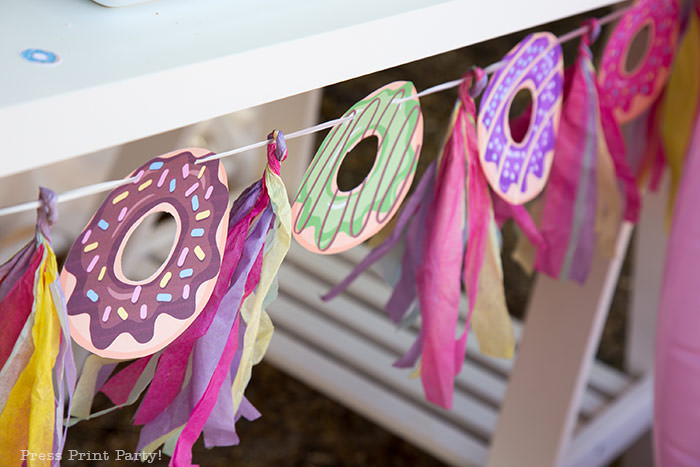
<point>120,385</point>
<point>438,279</point>
<point>616,146</point>
<point>478,210</point>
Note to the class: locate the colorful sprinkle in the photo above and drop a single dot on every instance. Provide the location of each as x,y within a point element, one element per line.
<point>155,165</point>
<point>185,170</point>
<point>92,264</point>
<point>191,189</point>
<point>144,311</point>
<point>120,197</point>
<point>201,171</point>
<point>172,185</point>
<point>103,224</point>
<point>122,313</point>
<point>92,295</point>
<point>195,203</point>
<point>162,178</point>
<point>135,295</point>
<point>166,278</point>
<point>105,315</point>
<point>186,291</point>
<point>102,273</point>
<point>86,236</point>
<point>208,193</point>
<point>138,176</point>
<point>199,252</point>
<point>197,232</point>
<point>145,184</point>
<point>164,297</point>
<point>90,247</point>
<point>202,215</point>
<point>183,255</point>
<point>122,213</point>
<point>186,273</point>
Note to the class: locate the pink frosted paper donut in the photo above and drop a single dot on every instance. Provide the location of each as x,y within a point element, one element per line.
<point>630,92</point>
<point>518,171</point>
<point>116,317</point>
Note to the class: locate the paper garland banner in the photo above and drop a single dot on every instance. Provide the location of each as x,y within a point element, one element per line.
<point>328,220</point>
<point>518,170</point>
<point>630,92</point>
<point>116,317</point>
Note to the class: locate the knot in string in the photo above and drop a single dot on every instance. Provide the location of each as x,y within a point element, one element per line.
<point>46,213</point>
<point>473,84</point>
<point>276,150</point>
<point>593,26</point>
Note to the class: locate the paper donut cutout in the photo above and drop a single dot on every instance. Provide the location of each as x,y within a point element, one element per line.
<point>518,171</point>
<point>115,317</point>
<point>328,220</point>
<point>630,92</point>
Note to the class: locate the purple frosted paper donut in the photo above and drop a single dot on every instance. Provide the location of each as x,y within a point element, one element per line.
<point>116,317</point>
<point>518,171</point>
<point>630,92</point>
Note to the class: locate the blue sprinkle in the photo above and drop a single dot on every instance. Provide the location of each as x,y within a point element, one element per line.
<point>195,203</point>
<point>164,297</point>
<point>92,295</point>
<point>155,165</point>
<point>197,232</point>
<point>103,224</point>
<point>172,185</point>
<point>186,273</point>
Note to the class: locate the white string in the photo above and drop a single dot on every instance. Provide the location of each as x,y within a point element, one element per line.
<point>494,67</point>
<point>110,185</point>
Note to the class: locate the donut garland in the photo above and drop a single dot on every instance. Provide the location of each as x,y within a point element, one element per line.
<point>116,317</point>
<point>517,171</point>
<point>328,220</point>
<point>631,92</point>
<point>198,323</point>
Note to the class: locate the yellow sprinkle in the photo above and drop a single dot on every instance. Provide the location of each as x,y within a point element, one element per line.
<point>200,253</point>
<point>120,197</point>
<point>201,171</point>
<point>166,278</point>
<point>102,273</point>
<point>122,313</point>
<point>90,247</point>
<point>202,215</point>
<point>145,184</point>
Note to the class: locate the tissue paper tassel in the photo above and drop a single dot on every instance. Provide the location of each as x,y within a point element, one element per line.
<point>449,206</point>
<point>37,373</point>
<point>196,384</point>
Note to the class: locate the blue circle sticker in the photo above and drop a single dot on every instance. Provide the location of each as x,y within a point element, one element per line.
<point>40,56</point>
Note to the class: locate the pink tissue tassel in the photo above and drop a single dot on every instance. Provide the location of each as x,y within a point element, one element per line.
<point>677,362</point>
<point>438,278</point>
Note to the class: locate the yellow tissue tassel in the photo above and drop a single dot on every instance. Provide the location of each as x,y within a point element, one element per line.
<point>609,203</point>
<point>28,419</point>
<point>679,107</point>
<point>491,321</point>
<point>258,327</point>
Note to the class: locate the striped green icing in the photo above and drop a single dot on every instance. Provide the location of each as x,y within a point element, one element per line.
<point>323,210</point>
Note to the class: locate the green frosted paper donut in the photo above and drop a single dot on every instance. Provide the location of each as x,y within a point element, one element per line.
<point>328,220</point>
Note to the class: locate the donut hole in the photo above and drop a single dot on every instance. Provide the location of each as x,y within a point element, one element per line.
<point>638,49</point>
<point>357,164</point>
<point>143,253</point>
<point>520,114</point>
